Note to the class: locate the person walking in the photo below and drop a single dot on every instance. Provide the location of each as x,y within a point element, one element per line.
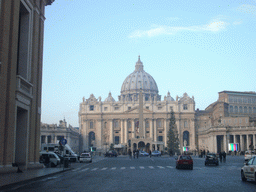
<point>220,155</point>
<point>130,153</point>
<point>134,151</point>
<point>137,153</point>
<point>204,153</point>
<point>224,156</point>
<point>150,153</point>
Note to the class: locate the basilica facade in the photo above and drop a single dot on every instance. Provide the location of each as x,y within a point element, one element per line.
<point>106,122</point>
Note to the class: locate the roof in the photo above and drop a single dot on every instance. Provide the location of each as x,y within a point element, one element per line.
<point>247,93</point>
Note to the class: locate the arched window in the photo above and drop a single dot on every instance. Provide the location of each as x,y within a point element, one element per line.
<point>250,110</point>
<point>236,109</point>
<point>231,109</point>
<point>186,138</point>
<point>240,109</point>
<point>116,140</point>
<point>159,123</point>
<point>245,109</point>
<point>147,124</point>
<point>129,124</point>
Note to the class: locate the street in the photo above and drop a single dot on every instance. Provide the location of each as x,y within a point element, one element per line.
<point>145,174</point>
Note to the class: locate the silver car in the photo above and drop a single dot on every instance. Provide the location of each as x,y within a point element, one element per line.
<point>156,153</point>
<point>248,171</point>
<point>85,157</point>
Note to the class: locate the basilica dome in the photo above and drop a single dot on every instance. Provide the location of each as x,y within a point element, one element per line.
<point>139,79</point>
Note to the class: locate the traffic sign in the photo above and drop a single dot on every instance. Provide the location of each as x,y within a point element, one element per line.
<point>64,141</point>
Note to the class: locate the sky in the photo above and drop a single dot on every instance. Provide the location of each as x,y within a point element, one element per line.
<point>193,46</point>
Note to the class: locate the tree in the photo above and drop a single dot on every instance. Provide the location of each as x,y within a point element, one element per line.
<point>173,139</point>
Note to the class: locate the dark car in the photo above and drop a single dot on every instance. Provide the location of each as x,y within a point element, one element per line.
<point>111,153</point>
<point>211,158</point>
<point>184,161</point>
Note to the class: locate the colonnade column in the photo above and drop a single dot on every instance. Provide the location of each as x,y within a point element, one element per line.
<point>235,140</point>
<point>133,128</point>
<point>241,143</point>
<point>122,131</point>
<point>151,129</point>
<point>247,142</point>
<point>111,138</point>
<point>144,128</point>
<point>155,130</point>
<point>225,143</point>
<point>214,144</point>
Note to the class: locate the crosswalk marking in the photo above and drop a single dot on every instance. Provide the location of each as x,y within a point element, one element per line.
<point>85,169</point>
<point>132,167</point>
<point>113,168</point>
<point>170,167</point>
<point>122,167</point>
<point>151,167</point>
<point>94,169</point>
<point>160,167</point>
<point>142,167</point>
<point>104,168</point>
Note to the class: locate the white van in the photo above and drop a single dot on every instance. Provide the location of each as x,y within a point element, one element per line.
<point>53,158</point>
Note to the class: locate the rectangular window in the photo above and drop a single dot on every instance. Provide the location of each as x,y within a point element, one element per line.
<point>116,108</point>
<point>42,139</point>
<point>129,108</point>
<point>91,125</point>
<point>160,131</point>
<point>105,108</point>
<point>160,138</point>
<point>185,107</point>
<point>147,131</point>
<point>91,107</point>
<point>49,139</point>
<point>23,66</point>
<point>147,107</point>
<point>116,140</point>
<point>159,108</point>
<point>171,108</point>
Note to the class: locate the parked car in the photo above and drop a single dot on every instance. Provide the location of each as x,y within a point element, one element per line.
<point>111,153</point>
<point>85,157</point>
<point>156,153</point>
<point>184,161</point>
<point>248,171</point>
<point>143,153</point>
<point>211,158</point>
<point>248,155</point>
<point>53,159</point>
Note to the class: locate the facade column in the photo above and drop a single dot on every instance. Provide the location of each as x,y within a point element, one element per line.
<point>247,142</point>
<point>125,132</point>
<point>122,131</point>
<point>241,143</point>
<point>151,129</point>
<point>155,130</point>
<point>133,128</point>
<point>111,138</point>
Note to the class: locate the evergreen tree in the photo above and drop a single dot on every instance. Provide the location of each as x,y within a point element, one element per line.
<point>173,139</point>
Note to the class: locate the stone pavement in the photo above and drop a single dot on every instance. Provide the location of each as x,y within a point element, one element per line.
<point>7,179</point>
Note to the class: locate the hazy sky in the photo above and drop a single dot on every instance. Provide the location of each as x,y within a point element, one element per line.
<point>194,46</point>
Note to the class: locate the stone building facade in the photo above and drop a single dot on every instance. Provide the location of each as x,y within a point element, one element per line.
<point>107,122</point>
<point>21,53</point>
<point>231,119</point>
<point>53,133</point>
